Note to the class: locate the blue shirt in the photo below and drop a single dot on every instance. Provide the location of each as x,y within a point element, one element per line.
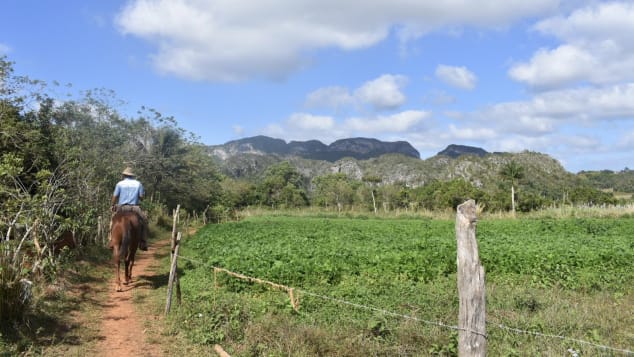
<point>129,191</point>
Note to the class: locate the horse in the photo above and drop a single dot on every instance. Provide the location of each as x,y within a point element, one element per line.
<point>126,232</point>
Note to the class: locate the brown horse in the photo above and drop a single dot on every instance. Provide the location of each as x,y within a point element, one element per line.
<point>125,234</point>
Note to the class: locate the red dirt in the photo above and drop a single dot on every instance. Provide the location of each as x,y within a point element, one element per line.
<point>122,327</point>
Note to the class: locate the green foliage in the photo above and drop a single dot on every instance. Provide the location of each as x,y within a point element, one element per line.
<point>620,181</point>
<point>333,190</point>
<point>14,300</point>
<point>405,266</point>
<point>512,171</point>
<point>440,195</point>
<point>283,186</point>
<point>59,161</point>
<point>590,196</point>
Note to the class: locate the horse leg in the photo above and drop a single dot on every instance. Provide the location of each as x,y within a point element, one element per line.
<point>128,271</point>
<point>130,263</point>
<point>130,268</point>
<point>116,254</point>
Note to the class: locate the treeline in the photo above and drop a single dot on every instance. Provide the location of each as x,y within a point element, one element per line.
<point>283,186</point>
<point>619,181</point>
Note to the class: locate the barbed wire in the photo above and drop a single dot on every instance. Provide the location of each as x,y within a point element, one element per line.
<point>390,313</point>
<point>539,334</point>
<point>413,318</point>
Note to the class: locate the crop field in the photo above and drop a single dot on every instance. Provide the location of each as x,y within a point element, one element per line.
<point>388,286</point>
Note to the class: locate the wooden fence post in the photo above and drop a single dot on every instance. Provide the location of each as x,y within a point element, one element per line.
<point>174,221</point>
<point>173,276</point>
<point>471,290</point>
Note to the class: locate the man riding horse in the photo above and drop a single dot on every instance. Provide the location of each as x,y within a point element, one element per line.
<point>126,197</point>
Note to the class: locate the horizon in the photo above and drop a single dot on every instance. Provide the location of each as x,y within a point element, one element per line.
<point>420,156</point>
<point>550,76</point>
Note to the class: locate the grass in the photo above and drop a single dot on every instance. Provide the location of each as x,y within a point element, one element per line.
<point>560,211</point>
<point>63,318</point>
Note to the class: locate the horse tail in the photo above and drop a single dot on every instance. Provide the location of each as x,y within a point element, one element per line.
<point>125,242</point>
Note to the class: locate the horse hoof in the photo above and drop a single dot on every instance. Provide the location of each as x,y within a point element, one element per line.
<point>119,289</point>
<point>126,282</point>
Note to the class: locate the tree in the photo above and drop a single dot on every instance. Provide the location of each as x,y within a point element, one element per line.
<point>373,181</point>
<point>333,189</point>
<point>283,185</point>
<point>512,172</point>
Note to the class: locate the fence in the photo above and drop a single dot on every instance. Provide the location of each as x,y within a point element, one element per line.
<point>472,323</point>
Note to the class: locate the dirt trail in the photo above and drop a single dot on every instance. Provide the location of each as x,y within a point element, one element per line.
<point>122,329</point>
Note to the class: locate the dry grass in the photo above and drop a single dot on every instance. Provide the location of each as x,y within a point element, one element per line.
<point>564,211</point>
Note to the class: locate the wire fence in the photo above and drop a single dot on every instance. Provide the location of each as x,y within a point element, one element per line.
<point>295,303</point>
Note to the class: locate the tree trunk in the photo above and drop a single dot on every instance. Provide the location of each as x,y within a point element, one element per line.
<point>373,201</point>
<point>513,199</point>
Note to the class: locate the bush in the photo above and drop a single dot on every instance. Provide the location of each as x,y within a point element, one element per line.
<point>14,292</point>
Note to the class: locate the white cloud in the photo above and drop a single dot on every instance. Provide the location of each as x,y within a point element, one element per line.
<point>597,48</point>
<point>471,133</point>
<point>396,123</point>
<point>304,121</point>
<point>459,77</point>
<point>608,20</point>
<point>583,105</point>
<point>581,143</point>
<point>330,97</point>
<point>384,92</point>
<point>517,143</point>
<point>552,68</point>
<point>219,40</point>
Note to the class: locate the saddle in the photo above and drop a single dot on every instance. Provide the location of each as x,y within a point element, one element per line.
<point>132,208</point>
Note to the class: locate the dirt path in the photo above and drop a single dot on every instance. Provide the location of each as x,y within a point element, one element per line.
<point>122,330</point>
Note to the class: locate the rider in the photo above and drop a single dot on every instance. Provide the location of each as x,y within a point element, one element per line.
<point>126,197</point>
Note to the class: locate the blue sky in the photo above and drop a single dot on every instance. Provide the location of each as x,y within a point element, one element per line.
<point>553,76</point>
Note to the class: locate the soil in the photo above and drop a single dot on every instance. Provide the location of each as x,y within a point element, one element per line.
<point>123,329</point>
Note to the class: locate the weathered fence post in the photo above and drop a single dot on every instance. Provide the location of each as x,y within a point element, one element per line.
<point>471,290</point>
<point>173,276</point>
<point>174,221</point>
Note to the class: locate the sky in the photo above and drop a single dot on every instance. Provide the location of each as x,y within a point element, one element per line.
<point>552,76</point>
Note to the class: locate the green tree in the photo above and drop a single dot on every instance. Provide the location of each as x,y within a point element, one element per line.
<point>440,195</point>
<point>283,185</point>
<point>335,190</point>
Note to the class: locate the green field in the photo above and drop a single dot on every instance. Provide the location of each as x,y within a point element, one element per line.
<point>388,286</point>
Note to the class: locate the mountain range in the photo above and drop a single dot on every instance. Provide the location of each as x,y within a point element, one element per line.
<point>400,162</point>
<point>358,148</point>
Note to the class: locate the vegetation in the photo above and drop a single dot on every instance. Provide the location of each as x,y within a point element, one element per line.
<point>358,281</point>
<point>59,161</point>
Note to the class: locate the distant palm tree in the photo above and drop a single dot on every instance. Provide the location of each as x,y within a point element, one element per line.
<point>512,172</point>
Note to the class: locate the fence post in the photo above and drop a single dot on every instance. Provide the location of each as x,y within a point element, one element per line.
<point>99,234</point>
<point>471,290</point>
<point>173,276</point>
<point>174,221</point>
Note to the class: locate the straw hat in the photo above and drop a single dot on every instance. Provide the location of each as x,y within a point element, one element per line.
<point>128,172</point>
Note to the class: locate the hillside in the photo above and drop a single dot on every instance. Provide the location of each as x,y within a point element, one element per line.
<point>248,159</point>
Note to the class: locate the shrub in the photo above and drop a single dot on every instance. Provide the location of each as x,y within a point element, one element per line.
<point>14,292</point>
